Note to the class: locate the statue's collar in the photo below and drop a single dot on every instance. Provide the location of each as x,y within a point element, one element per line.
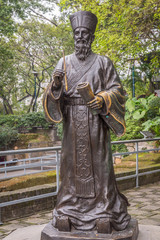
<point>80,68</point>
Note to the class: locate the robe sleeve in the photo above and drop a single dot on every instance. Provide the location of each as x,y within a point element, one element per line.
<point>114,109</point>
<point>52,100</point>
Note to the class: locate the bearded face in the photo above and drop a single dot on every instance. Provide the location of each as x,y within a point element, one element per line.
<point>83,40</point>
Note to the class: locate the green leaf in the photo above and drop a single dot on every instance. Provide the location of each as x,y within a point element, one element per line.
<point>143,101</point>
<point>130,104</point>
<point>138,115</point>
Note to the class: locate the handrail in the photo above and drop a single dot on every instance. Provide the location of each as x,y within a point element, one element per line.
<point>136,140</point>
<point>9,152</point>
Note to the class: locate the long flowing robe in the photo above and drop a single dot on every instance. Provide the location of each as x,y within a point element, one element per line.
<point>88,188</point>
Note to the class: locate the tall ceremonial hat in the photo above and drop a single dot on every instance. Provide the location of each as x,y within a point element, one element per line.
<point>84,19</point>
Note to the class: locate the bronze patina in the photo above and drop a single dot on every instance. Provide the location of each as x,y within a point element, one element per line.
<point>91,105</point>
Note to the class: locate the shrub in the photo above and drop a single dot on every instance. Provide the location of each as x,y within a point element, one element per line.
<point>25,121</point>
<point>8,135</point>
<point>60,130</point>
<point>154,107</point>
<point>132,132</point>
<point>145,112</point>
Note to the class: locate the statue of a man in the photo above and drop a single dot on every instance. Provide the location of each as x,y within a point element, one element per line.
<point>88,197</point>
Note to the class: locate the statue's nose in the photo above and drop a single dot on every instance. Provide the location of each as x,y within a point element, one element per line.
<point>80,35</point>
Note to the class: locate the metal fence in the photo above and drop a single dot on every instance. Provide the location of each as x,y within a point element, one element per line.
<point>48,162</point>
<point>32,164</point>
<point>137,151</point>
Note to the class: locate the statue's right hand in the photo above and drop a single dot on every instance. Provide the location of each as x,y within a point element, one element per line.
<point>58,77</point>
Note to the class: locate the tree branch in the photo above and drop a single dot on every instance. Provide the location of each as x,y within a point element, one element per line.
<point>24,97</point>
<point>40,15</point>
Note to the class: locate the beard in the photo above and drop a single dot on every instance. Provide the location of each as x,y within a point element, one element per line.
<point>82,48</point>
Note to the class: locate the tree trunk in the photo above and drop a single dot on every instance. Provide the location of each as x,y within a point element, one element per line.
<point>7,107</point>
<point>31,104</point>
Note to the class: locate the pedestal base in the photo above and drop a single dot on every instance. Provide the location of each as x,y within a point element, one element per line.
<point>130,233</point>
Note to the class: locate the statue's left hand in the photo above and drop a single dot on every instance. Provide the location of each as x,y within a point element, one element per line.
<point>96,103</point>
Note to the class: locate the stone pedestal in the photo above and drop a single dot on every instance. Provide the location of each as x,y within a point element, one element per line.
<point>130,233</point>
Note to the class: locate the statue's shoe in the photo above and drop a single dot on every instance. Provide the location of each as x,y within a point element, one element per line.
<point>103,225</point>
<point>63,224</point>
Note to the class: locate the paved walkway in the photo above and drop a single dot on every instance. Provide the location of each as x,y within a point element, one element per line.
<point>145,207</point>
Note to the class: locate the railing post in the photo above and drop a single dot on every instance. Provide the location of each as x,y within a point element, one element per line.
<point>5,170</point>
<point>57,170</point>
<point>24,167</point>
<point>1,217</point>
<point>41,164</point>
<point>137,180</point>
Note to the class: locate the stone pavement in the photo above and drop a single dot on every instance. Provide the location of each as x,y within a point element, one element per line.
<point>145,207</point>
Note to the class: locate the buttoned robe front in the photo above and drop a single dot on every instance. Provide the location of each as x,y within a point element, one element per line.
<point>88,188</point>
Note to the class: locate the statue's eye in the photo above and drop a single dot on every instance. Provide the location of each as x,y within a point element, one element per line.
<point>85,33</point>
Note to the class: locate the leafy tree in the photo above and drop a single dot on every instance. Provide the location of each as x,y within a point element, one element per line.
<point>12,10</point>
<point>7,75</point>
<point>12,13</point>
<point>26,54</point>
<point>38,54</point>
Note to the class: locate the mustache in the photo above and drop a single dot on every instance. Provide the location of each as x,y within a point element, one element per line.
<point>81,41</point>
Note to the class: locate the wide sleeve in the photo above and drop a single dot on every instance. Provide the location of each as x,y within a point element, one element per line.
<point>114,101</point>
<point>52,100</point>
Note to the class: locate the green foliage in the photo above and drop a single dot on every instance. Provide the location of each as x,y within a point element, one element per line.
<point>10,125</point>
<point>11,10</point>
<point>8,74</point>
<point>124,27</point>
<point>127,32</point>
<point>8,135</point>
<point>22,52</point>
<point>154,107</point>
<point>140,108</point>
<point>60,130</point>
<point>25,121</point>
<point>141,115</point>
<point>141,79</point>
<point>119,148</point>
<point>146,112</point>
<point>25,53</point>
<point>152,125</point>
<point>133,129</point>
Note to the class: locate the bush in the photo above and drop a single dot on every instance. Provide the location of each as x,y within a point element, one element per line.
<point>60,130</point>
<point>152,125</point>
<point>133,129</point>
<point>154,107</point>
<point>12,124</point>
<point>145,112</point>
<point>8,135</point>
<point>25,121</point>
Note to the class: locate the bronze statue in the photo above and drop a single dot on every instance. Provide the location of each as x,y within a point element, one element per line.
<point>90,105</point>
